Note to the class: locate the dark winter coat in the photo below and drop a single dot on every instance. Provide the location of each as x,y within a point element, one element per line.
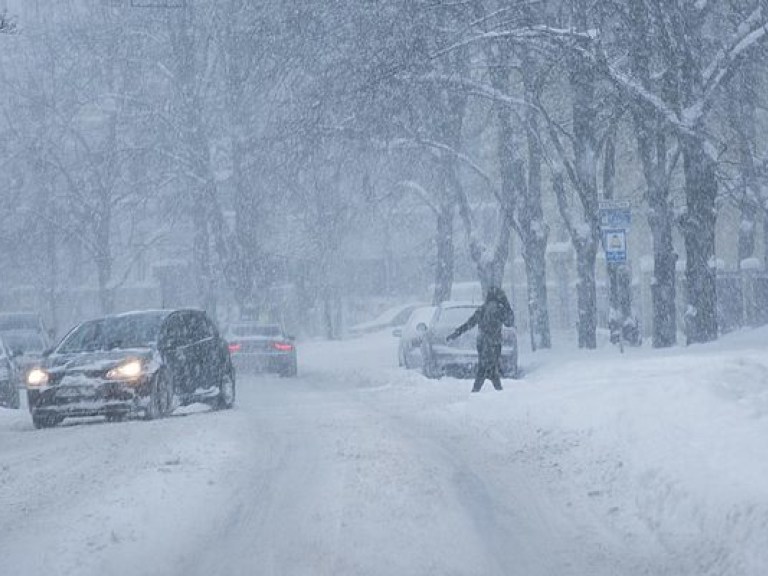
<point>490,319</point>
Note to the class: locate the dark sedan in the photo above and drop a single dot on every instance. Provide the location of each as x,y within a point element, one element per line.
<point>262,347</point>
<point>138,363</point>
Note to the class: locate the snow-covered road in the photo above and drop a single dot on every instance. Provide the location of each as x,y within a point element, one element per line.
<point>652,463</point>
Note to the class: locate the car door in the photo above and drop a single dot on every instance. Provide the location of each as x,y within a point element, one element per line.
<point>213,351</point>
<point>174,345</point>
<point>203,350</point>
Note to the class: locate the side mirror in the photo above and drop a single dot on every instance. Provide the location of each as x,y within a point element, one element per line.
<point>421,328</point>
<point>47,352</point>
<point>397,332</point>
<point>16,353</point>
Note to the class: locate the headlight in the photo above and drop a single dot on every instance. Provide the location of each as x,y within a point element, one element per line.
<point>129,370</point>
<point>37,377</point>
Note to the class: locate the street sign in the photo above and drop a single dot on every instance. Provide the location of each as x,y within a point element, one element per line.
<point>615,244</point>
<point>615,214</point>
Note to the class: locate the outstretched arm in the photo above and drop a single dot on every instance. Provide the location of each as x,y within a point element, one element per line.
<point>468,325</point>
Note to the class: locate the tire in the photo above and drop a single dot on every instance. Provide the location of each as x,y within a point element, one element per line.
<point>429,368</point>
<point>46,421</point>
<point>291,371</point>
<point>115,417</point>
<point>227,391</point>
<point>160,398</point>
<point>405,363</point>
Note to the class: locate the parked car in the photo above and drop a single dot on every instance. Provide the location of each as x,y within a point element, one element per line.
<point>25,322</point>
<point>262,347</point>
<point>409,348</point>
<point>21,321</point>
<point>138,363</point>
<point>459,357</point>
<point>27,347</point>
<point>9,378</point>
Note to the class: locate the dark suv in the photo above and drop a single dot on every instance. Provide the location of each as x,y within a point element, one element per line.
<point>135,363</point>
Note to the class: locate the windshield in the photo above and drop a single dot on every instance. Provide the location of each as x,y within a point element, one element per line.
<point>455,317</point>
<point>25,342</point>
<point>419,316</point>
<point>121,332</point>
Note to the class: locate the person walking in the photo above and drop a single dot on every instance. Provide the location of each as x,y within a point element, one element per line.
<point>490,318</point>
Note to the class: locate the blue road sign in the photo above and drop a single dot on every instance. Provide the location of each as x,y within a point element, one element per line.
<point>615,214</point>
<point>615,217</point>
<point>615,244</point>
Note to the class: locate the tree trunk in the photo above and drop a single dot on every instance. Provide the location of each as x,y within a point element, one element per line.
<point>52,259</point>
<point>245,247</point>
<point>104,273</point>
<point>444,268</point>
<point>584,113</point>
<point>586,294</point>
<point>532,223</point>
<point>201,255</point>
<point>663,284</point>
<point>765,239</point>
<point>535,256</point>
<point>699,232</point>
<point>744,118</point>
<point>652,149</point>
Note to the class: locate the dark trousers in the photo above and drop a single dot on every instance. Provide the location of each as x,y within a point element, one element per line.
<point>488,366</point>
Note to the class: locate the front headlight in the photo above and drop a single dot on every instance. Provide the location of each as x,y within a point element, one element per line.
<point>129,370</point>
<point>37,377</point>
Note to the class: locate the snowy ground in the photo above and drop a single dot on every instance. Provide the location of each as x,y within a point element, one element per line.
<point>650,463</point>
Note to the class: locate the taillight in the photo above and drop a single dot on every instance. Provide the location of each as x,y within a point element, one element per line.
<point>282,347</point>
<point>234,347</point>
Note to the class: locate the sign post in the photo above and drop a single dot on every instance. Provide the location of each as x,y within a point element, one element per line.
<point>615,220</point>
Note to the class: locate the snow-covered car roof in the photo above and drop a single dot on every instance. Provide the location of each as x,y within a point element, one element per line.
<point>386,318</point>
<point>460,304</point>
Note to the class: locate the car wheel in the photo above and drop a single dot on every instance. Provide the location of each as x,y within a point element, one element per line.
<point>227,391</point>
<point>46,421</point>
<point>406,363</point>
<point>115,417</point>
<point>159,403</point>
<point>292,370</point>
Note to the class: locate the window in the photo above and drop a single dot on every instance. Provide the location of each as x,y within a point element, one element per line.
<point>199,328</point>
<point>455,316</point>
